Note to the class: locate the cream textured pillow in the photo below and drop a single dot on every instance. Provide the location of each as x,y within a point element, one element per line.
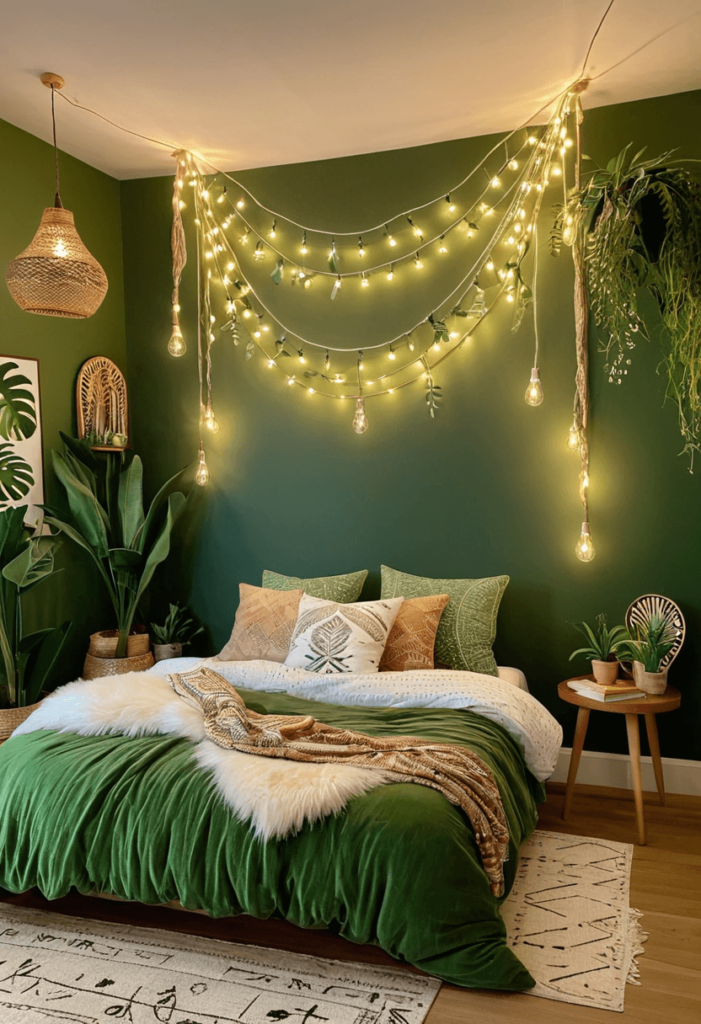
<point>413,636</point>
<point>331,637</point>
<point>263,626</point>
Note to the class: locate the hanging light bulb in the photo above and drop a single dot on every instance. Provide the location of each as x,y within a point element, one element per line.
<point>327,362</point>
<point>361,247</point>
<point>391,354</point>
<point>304,249</point>
<point>176,345</point>
<point>361,364</point>
<point>489,265</point>
<point>451,204</point>
<point>210,420</point>
<point>240,204</point>
<point>56,275</point>
<point>360,420</point>
<point>417,230</point>
<point>569,230</point>
<point>272,233</point>
<point>390,273</point>
<point>364,281</point>
<point>202,474</point>
<point>222,195</point>
<point>442,247</point>
<point>513,165</point>
<point>534,391</point>
<point>574,438</point>
<point>417,262</point>
<point>585,549</point>
<point>495,182</point>
<point>301,356</point>
<point>392,241</point>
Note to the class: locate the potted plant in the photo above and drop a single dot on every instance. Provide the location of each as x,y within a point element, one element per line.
<point>26,659</point>
<point>642,219</point>
<point>604,644</point>
<point>647,646</point>
<point>107,520</point>
<point>178,630</point>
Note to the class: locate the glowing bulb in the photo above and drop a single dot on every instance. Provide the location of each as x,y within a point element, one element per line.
<point>301,356</point>
<point>511,240</point>
<point>256,334</point>
<point>60,248</point>
<point>290,381</point>
<point>240,205</point>
<point>585,548</point>
<point>176,345</point>
<point>210,420</point>
<point>205,194</point>
<point>304,250</point>
<point>364,282</point>
<point>495,182</point>
<point>454,334</point>
<point>272,233</point>
<point>442,247</point>
<point>327,362</point>
<point>202,474</point>
<point>360,420</point>
<point>513,165</point>
<point>230,266</point>
<point>390,274</point>
<point>310,391</point>
<point>534,391</point>
<point>417,232</point>
<point>436,347</point>
<point>556,171</point>
<point>390,391</point>
<point>271,362</point>
<point>568,143</point>
<point>417,262</point>
<point>569,231</point>
<point>361,364</point>
<point>532,140</point>
<point>451,204</point>
<point>361,247</point>
<point>247,313</point>
<point>391,354</point>
<point>489,264</point>
<point>510,298</point>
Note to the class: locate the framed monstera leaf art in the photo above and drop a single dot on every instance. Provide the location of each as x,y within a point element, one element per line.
<point>21,454</point>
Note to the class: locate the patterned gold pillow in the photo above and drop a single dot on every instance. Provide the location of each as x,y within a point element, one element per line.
<point>263,626</point>
<point>412,638</point>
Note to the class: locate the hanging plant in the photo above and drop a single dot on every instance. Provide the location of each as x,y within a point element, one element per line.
<point>642,224</point>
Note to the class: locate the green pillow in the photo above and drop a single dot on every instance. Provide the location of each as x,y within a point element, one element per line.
<point>343,589</point>
<point>468,625</point>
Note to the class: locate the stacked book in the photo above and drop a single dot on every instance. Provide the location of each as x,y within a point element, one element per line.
<point>625,689</point>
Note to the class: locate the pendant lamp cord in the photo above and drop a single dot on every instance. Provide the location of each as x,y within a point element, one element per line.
<point>57,200</point>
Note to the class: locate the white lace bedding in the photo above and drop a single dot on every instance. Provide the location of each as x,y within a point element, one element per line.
<point>525,718</point>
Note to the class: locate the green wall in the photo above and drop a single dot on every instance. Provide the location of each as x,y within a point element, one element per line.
<point>486,488</point>
<point>61,346</point>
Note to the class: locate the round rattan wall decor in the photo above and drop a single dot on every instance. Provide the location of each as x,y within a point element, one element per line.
<point>102,405</point>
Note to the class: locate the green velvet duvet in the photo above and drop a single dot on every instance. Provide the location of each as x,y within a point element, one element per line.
<point>399,867</point>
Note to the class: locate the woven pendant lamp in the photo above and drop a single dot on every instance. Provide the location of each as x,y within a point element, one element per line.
<point>56,275</point>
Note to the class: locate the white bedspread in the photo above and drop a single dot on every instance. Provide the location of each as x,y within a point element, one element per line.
<point>524,717</point>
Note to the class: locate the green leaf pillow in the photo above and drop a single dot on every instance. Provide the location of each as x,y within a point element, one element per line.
<point>468,625</point>
<point>343,589</point>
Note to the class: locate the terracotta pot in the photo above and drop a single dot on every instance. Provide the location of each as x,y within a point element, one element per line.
<point>650,682</point>
<point>10,718</point>
<point>605,672</point>
<point>96,668</point>
<point>161,652</point>
<point>104,644</point>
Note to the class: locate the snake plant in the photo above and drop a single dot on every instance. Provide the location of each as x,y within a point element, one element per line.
<point>604,643</point>
<point>107,520</point>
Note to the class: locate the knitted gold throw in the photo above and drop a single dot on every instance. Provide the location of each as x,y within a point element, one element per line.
<point>462,777</point>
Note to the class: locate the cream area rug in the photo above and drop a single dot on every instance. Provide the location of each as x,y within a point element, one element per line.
<point>569,919</point>
<point>66,970</point>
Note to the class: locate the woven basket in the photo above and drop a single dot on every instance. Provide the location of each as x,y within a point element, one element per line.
<point>10,718</point>
<point>96,668</point>
<point>104,644</point>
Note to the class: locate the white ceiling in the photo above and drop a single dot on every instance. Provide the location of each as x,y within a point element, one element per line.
<point>279,81</point>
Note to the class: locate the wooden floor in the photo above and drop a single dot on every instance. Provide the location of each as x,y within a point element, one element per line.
<point>666,886</point>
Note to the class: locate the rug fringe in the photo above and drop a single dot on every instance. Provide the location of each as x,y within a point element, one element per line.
<point>636,937</point>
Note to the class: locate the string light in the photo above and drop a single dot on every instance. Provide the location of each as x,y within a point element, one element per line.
<point>176,345</point>
<point>443,247</point>
<point>495,182</point>
<point>416,229</point>
<point>327,362</point>
<point>585,549</point>
<point>304,249</point>
<point>534,391</point>
<point>310,391</point>
<point>273,232</point>
<point>390,273</point>
<point>574,438</point>
<point>391,354</point>
<point>417,262</point>
<point>210,420</point>
<point>392,241</point>
<point>291,380</point>
<point>513,165</point>
<point>202,473</point>
<point>240,204</point>
<point>489,265</point>
<point>222,195</point>
<point>361,364</point>
<point>364,281</point>
<point>301,356</point>
<point>361,247</point>
<point>451,204</point>
<point>360,420</point>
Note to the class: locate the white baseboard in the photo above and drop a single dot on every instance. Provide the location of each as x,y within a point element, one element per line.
<point>599,769</point>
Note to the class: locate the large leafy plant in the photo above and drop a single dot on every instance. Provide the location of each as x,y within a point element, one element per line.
<point>26,661</point>
<point>642,220</point>
<point>107,520</point>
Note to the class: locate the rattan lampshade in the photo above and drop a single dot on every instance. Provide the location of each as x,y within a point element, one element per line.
<point>56,275</point>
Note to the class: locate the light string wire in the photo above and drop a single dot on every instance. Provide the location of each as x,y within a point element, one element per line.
<point>57,200</point>
<point>532,164</point>
<point>423,243</point>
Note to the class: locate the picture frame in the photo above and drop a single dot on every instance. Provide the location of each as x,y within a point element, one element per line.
<point>21,437</point>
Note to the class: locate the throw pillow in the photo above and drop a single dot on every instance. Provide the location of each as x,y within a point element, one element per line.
<point>333,637</point>
<point>413,636</point>
<point>468,625</point>
<point>263,626</point>
<point>344,589</point>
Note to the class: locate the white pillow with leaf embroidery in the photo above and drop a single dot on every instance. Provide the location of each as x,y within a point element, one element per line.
<point>329,637</point>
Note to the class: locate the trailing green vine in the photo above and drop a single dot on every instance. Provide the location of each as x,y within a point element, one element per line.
<point>642,222</point>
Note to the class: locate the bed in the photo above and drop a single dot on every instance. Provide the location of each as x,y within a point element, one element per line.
<point>136,816</point>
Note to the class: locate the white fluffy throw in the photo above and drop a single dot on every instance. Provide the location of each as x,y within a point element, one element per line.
<point>280,796</point>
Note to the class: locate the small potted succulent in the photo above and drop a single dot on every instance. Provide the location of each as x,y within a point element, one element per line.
<point>646,646</point>
<point>604,646</point>
<point>177,631</point>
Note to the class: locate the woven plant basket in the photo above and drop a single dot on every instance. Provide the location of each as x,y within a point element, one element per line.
<point>104,644</point>
<point>96,668</point>
<point>10,718</point>
<point>56,275</point>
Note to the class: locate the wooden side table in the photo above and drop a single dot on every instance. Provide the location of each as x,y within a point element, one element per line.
<point>649,707</point>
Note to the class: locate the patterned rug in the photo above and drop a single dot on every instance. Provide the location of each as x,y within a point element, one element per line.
<point>67,970</point>
<point>569,919</point>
